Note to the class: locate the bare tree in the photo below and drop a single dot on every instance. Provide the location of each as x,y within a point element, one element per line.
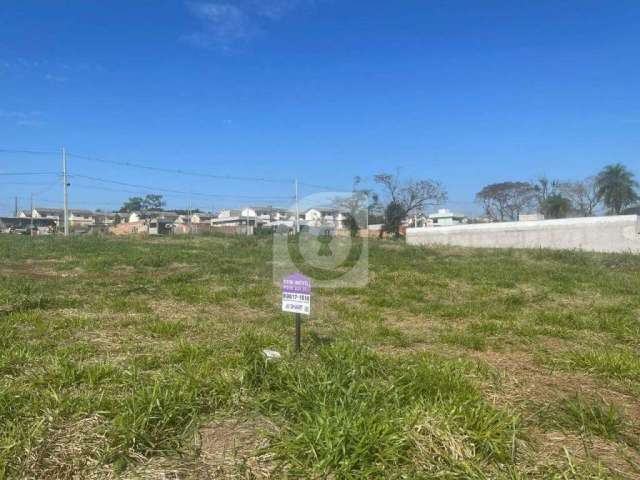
<point>583,195</point>
<point>507,200</point>
<point>409,197</point>
<point>413,196</point>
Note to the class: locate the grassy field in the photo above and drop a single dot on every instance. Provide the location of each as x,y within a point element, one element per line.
<point>141,358</point>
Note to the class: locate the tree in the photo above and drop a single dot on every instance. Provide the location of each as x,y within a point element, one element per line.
<point>407,198</point>
<point>616,187</point>
<point>149,202</point>
<point>506,200</point>
<point>394,215</point>
<point>556,206</point>
<point>356,206</point>
<point>134,204</point>
<point>154,202</point>
<point>551,203</point>
<point>583,195</point>
<point>545,188</point>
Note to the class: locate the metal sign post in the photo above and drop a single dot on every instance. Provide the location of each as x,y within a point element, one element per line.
<point>296,298</point>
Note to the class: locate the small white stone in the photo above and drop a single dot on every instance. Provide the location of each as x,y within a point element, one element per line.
<point>271,354</point>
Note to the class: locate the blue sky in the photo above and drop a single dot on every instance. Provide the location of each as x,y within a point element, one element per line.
<point>465,92</point>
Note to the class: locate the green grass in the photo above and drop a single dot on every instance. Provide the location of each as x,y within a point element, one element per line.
<point>593,416</point>
<point>117,353</point>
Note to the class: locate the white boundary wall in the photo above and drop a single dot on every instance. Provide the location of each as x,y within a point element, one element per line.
<point>597,234</point>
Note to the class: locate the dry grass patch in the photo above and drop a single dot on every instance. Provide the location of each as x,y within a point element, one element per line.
<point>69,451</point>
<point>235,448</point>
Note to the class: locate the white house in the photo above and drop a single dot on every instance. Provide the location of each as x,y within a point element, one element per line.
<point>81,217</point>
<point>332,217</point>
<point>139,216</point>
<point>200,217</point>
<point>272,214</point>
<point>76,216</point>
<point>444,217</point>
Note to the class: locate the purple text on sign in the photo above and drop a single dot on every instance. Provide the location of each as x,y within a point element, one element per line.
<point>296,283</point>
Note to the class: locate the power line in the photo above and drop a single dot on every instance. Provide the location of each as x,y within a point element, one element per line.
<point>9,174</point>
<point>200,174</point>
<point>182,172</point>
<point>323,187</point>
<point>28,152</point>
<point>139,192</point>
<point>23,183</point>
<point>168,190</point>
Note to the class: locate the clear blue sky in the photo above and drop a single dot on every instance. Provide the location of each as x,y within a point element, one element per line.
<point>465,92</point>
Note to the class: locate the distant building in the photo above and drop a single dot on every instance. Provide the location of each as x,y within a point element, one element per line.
<point>26,225</point>
<point>326,217</point>
<point>134,217</point>
<point>631,211</point>
<point>158,226</point>
<point>444,217</point>
<point>200,217</point>
<point>243,221</point>
<point>77,217</point>
<point>530,217</point>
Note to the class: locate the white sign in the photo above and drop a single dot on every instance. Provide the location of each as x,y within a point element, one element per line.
<point>296,294</point>
<point>296,303</point>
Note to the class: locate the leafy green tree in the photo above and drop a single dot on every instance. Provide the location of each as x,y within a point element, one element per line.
<point>134,204</point>
<point>555,206</point>
<point>149,202</point>
<point>616,187</point>
<point>153,202</point>
<point>394,214</point>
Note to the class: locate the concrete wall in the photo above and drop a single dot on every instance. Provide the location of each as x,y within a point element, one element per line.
<point>597,234</point>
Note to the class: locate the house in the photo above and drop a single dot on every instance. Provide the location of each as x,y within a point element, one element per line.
<point>76,216</point>
<point>56,214</point>
<point>444,217</point>
<point>160,226</point>
<point>273,214</point>
<point>81,217</point>
<point>26,225</point>
<point>200,217</point>
<point>329,217</point>
<point>137,216</point>
<point>109,218</point>
<point>245,221</point>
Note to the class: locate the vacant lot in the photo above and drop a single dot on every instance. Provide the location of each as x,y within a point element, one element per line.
<point>142,359</point>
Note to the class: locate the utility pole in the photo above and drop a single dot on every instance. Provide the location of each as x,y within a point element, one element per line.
<point>31,206</point>
<point>297,209</point>
<point>66,194</point>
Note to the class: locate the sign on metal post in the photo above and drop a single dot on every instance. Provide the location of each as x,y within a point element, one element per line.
<point>296,298</point>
